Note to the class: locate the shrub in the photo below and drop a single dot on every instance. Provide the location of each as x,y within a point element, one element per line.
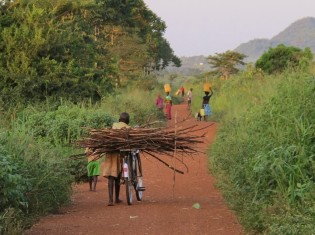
<point>35,178</point>
<point>277,59</point>
<point>64,125</point>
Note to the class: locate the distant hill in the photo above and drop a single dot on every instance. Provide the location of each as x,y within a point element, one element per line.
<point>300,34</point>
<point>254,48</point>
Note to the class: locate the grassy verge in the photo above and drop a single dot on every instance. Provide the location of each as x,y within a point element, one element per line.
<point>264,154</point>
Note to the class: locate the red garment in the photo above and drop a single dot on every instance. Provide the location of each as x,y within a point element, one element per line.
<point>182,90</point>
<point>168,111</point>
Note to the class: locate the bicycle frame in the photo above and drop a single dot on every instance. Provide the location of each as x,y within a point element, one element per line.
<point>132,174</point>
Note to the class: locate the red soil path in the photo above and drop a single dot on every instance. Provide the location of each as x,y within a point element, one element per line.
<point>167,206</point>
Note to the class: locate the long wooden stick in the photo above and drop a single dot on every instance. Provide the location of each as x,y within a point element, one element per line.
<point>166,164</point>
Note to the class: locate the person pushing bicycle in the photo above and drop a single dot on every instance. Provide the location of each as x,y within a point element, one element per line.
<point>112,168</point>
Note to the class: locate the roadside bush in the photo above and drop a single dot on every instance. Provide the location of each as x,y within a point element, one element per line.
<point>264,154</point>
<point>65,124</point>
<point>13,185</point>
<point>61,127</point>
<point>35,179</point>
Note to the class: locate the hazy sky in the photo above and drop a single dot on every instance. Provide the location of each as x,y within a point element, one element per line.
<point>206,27</point>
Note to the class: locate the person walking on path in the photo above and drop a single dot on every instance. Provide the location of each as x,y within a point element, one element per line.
<point>159,102</point>
<point>112,167</point>
<point>168,106</point>
<point>205,103</point>
<point>93,168</point>
<point>189,98</point>
<point>182,90</point>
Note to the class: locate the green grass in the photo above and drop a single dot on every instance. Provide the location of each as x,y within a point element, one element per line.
<point>264,154</point>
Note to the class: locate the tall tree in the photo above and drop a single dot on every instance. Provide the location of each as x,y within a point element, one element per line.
<point>225,64</point>
<point>134,17</point>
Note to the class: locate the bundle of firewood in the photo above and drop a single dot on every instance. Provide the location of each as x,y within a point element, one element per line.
<point>156,142</point>
<point>152,140</point>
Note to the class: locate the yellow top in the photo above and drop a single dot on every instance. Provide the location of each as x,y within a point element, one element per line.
<point>119,125</point>
<point>112,163</point>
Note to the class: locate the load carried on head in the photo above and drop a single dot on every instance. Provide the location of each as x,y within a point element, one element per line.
<point>167,88</point>
<point>206,87</point>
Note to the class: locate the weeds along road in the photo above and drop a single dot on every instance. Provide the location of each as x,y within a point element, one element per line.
<point>169,206</point>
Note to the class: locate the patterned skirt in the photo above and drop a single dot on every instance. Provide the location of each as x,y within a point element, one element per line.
<point>207,109</point>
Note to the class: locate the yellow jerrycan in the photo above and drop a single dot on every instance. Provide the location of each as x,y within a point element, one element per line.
<point>167,88</point>
<point>206,87</point>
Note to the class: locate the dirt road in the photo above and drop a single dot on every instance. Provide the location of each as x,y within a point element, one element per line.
<point>167,206</point>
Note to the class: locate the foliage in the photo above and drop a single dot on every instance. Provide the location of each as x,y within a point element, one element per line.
<point>37,176</point>
<point>133,18</point>
<point>264,152</point>
<point>224,64</point>
<point>41,53</point>
<point>142,111</point>
<point>64,125</point>
<point>76,49</point>
<point>12,183</point>
<point>277,59</point>
<point>35,179</point>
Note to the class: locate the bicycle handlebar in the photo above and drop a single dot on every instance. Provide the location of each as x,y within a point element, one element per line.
<point>130,150</point>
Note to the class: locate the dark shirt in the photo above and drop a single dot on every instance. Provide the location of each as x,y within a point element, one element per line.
<point>206,99</point>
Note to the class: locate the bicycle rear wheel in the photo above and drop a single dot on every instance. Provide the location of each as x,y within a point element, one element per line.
<point>138,184</point>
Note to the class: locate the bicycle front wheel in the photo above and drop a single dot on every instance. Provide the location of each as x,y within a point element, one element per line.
<point>129,186</point>
<point>139,189</point>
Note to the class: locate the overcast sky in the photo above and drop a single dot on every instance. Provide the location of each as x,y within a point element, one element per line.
<point>206,27</point>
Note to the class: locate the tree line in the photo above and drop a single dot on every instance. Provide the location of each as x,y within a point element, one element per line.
<point>273,61</point>
<point>77,49</point>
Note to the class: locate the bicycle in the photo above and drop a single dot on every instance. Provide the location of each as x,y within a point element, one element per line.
<point>132,174</point>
